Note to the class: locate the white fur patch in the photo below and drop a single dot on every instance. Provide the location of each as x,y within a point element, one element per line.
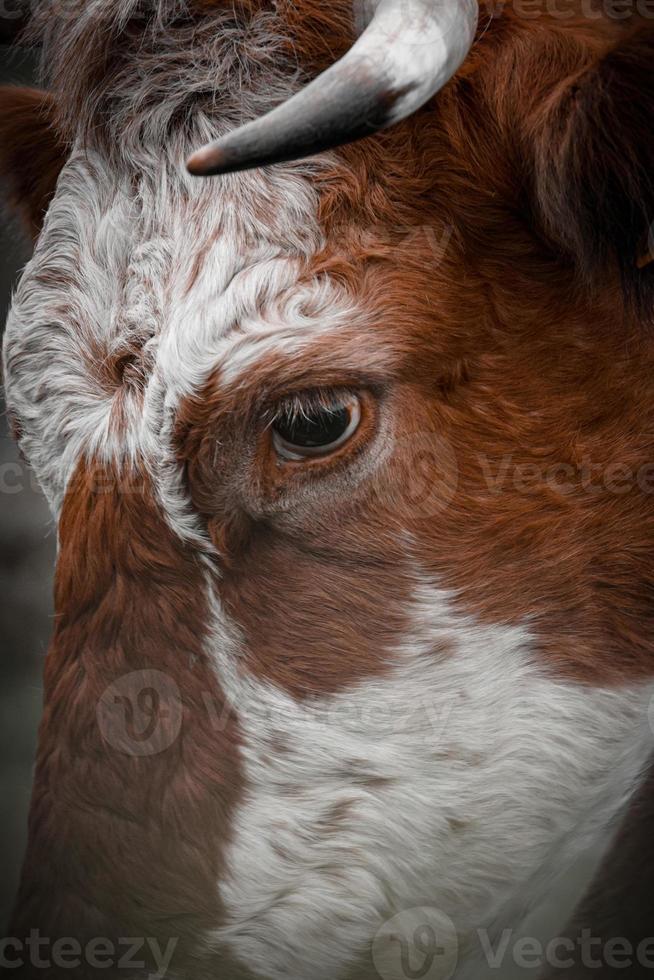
<point>469,782</point>
<point>200,276</point>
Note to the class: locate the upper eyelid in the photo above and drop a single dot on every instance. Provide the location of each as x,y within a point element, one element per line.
<point>293,405</point>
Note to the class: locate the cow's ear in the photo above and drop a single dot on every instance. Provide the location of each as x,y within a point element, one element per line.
<point>31,153</point>
<point>594,166</point>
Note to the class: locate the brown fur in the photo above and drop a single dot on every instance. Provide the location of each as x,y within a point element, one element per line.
<point>548,408</point>
<point>321,595</point>
<point>31,152</point>
<point>125,844</point>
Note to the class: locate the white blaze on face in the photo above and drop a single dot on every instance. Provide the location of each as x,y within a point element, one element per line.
<point>195,275</point>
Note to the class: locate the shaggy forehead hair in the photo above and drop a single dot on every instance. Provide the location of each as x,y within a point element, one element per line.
<point>137,258</point>
<point>133,71</point>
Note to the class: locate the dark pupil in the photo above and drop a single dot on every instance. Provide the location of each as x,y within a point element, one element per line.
<point>317,427</point>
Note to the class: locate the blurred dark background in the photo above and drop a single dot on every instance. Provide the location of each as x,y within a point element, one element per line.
<point>27,548</point>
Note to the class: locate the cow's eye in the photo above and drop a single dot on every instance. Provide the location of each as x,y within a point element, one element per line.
<point>316,424</point>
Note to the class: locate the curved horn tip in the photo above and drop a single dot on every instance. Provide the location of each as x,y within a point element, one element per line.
<point>206,162</point>
<point>372,87</point>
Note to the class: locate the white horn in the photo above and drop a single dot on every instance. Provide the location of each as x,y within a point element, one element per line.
<point>407,52</point>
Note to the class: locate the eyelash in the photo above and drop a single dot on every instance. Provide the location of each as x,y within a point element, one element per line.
<point>301,404</point>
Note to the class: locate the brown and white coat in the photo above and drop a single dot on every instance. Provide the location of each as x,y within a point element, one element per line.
<point>417,673</point>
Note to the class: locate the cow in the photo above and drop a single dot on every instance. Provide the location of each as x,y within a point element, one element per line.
<point>334,360</point>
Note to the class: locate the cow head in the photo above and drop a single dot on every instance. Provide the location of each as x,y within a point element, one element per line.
<point>351,464</point>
